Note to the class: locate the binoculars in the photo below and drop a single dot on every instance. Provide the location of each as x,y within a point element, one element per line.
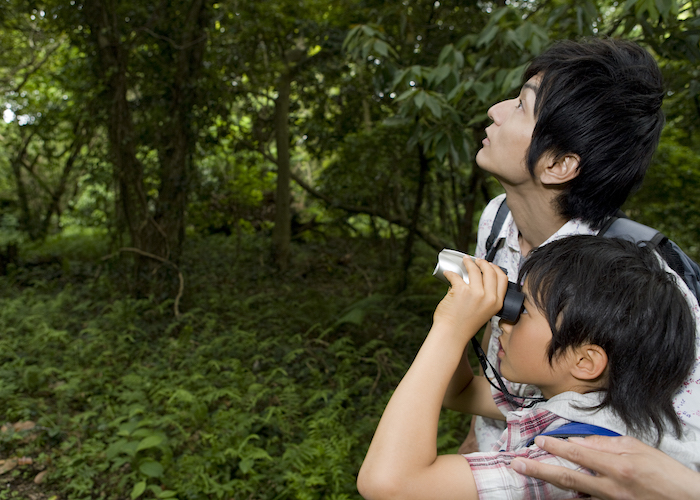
<point>451,260</point>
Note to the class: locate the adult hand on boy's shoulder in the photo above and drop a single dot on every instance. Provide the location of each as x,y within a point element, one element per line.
<point>626,468</point>
<point>468,306</point>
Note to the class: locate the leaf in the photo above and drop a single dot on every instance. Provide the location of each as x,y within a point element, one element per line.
<point>459,90</point>
<point>487,36</point>
<point>442,147</point>
<point>351,36</point>
<point>138,490</point>
<point>246,465</point>
<point>398,78</point>
<point>115,448</point>
<point>664,7</point>
<point>368,31</point>
<point>483,90</point>
<point>434,105</point>
<point>151,468</point>
<point>419,99</point>
<point>381,47</point>
<point>404,95</point>
<point>8,465</point>
<point>513,79</point>
<point>397,121</point>
<point>440,73</point>
<point>628,4</point>
<point>354,316</point>
<point>477,119</point>
<point>150,442</point>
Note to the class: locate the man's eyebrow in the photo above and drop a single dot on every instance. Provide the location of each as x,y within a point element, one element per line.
<point>530,86</point>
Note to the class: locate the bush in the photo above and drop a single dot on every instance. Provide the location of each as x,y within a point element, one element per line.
<point>269,386</point>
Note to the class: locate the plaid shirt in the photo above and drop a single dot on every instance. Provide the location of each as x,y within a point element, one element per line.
<point>492,473</point>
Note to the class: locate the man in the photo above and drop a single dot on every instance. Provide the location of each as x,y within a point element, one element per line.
<point>568,151</point>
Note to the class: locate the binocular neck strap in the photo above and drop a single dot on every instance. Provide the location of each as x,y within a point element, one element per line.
<point>511,398</point>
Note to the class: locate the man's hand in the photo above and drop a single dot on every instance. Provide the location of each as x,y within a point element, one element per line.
<point>626,468</point>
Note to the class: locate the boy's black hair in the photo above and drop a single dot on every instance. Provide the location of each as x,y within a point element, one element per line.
<point>600,99</point>
<point>615,294</point>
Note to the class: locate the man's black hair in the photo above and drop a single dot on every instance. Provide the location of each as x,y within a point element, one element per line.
<point>600,99</point>
<point>615,294</point>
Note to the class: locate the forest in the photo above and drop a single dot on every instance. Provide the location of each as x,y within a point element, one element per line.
<point>219,221</point>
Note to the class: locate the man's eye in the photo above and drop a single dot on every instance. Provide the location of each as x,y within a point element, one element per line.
<point>520,103</point>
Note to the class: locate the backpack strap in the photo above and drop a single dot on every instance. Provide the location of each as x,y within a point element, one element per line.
<point>627,229</point>
<point>684,266</point>
<point>577,429</point>
<point>498,221</point>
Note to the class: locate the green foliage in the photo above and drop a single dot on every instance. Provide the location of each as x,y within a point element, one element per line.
<point>667,200</point>
<point>421,70</point>
<point>268,386</point>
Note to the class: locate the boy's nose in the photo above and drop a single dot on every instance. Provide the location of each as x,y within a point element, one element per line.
<point>505,326</point>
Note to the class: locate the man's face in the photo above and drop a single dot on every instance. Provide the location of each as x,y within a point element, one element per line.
<point>508,137</point>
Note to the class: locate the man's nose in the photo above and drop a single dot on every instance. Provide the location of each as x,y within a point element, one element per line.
<point>498,111</point>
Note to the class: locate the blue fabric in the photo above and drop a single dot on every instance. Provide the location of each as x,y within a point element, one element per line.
<point>577,429</point>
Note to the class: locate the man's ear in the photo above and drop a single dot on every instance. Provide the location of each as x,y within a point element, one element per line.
<point>559,170</point>
<point>589,363</point>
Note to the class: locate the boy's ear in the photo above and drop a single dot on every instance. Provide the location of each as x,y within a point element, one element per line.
<point>589,363</point>
<point>560,170</point>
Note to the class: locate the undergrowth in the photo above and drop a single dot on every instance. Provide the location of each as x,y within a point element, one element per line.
<point>268,386</point>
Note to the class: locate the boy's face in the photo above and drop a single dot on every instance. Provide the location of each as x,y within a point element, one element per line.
<point>523,350</point>
<point>508,137</point>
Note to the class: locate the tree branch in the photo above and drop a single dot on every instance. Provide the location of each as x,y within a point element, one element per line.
<point>176,306</point>
<point>404,222</point>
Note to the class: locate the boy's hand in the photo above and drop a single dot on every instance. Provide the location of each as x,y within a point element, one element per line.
<point>467,307</point>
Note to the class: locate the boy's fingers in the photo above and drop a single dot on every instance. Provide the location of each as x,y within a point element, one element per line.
<point>502,281</point>
<point>473,271</point>
<point>453,278</point>
<point>493,277</point>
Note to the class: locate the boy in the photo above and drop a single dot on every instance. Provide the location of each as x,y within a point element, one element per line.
<point>568,151</point>
<point>604,334</point>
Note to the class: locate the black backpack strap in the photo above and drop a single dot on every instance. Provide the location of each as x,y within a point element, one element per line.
<point>498,221</point>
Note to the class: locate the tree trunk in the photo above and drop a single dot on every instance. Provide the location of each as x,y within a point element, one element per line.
<point>81,137</point>
<point>408,246</point>
<point>26,220</point>
<point>465,239</point>
<point>167,233</point>
<point>111,66</point>
<point>156,224</point>
<point>281,235</point>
